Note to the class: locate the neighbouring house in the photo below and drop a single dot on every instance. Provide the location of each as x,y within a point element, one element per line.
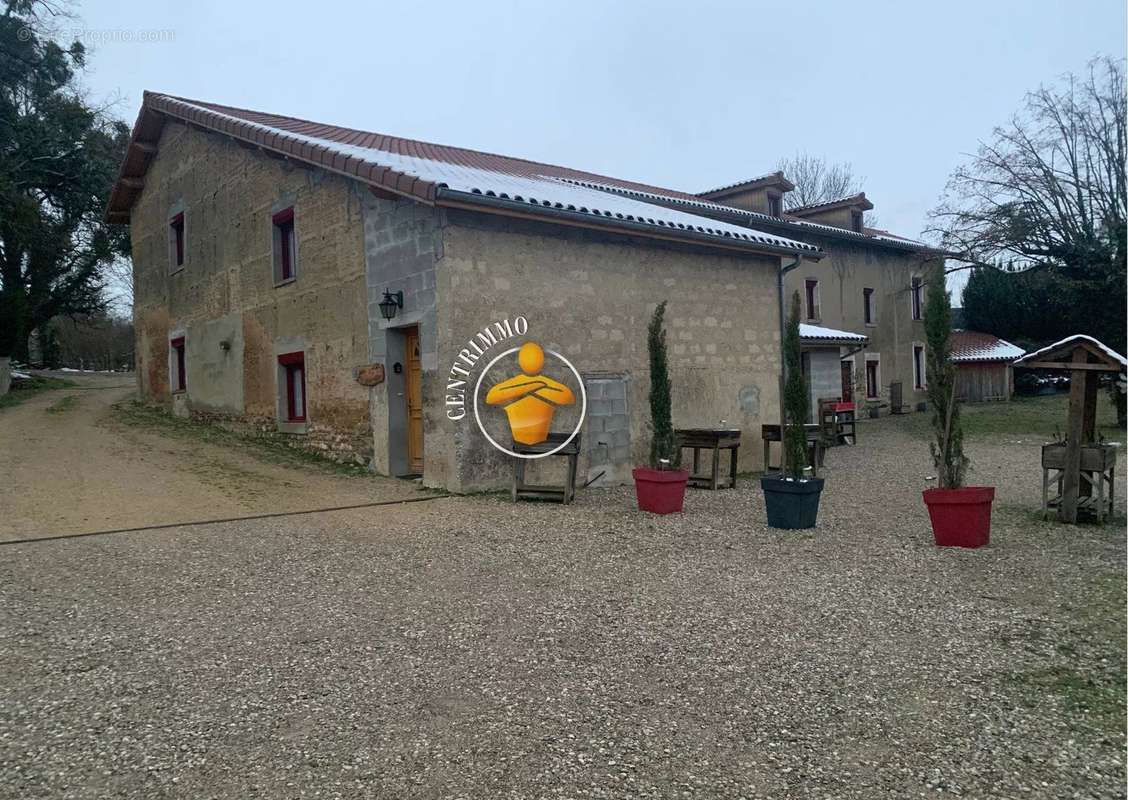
<point>324,283</point>
<point>869,281</point>
<point>984,366</point>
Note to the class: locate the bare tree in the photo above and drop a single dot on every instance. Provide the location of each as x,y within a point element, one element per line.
<point>1048,188</point>
<point>817,181</point>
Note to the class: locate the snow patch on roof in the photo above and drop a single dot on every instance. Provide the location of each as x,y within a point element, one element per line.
<point>974,346</point>
<point>817,332</point>
<point>532,189</point>
<point>1108,351</point>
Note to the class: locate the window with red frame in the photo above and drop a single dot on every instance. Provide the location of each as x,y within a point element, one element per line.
<point>293,371</point>
<point>812,288</point>
<point>285,246</point>
<point>179,373</point>
<point>176,241</point>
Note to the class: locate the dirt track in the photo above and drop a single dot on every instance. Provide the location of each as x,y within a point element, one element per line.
<point>69,466</point>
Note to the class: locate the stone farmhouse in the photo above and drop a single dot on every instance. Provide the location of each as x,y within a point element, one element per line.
<point>323,284</point>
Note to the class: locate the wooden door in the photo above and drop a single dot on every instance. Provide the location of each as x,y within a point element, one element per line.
<point>847,381</point>
<point>413,393</point>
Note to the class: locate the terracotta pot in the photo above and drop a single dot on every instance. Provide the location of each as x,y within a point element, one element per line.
<point>791,504</point>
<point>660,491</point>
<point>960,517</point>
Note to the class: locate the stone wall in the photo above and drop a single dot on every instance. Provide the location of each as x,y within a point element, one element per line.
<point>225,300</point>
<point>590,296</point>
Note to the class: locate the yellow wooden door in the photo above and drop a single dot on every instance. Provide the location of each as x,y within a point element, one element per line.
<point>414,395</point>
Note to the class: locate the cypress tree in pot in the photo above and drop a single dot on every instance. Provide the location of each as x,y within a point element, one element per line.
<point>661,486</point>
<point>792,498</point>
<point>960,515</point>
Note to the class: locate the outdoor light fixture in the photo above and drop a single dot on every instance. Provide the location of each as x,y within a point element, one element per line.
<point>391,304</point>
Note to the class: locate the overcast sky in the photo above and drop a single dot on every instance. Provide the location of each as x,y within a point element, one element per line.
<point>686,95</point>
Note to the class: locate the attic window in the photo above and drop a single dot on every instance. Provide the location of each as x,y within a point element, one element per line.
<point>285,246</point>
<point>856,221</point>
<point>775,205</point>
<point>176,241</point>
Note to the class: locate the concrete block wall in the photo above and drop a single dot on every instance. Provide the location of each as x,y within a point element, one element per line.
<point>402,242</point>
<point>824,377</point>
<point>226,290</point>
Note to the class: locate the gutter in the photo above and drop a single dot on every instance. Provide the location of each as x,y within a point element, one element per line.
<point>450,198</point>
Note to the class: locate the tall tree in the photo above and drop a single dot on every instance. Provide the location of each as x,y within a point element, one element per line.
<point>947,451</point>
<point>58,160</point>
<point>1048,192</point>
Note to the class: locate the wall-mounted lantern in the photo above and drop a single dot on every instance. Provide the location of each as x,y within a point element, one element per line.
<point>391,303</point>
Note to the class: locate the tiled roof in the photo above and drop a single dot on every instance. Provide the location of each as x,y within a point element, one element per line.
<point>1068,343</point>
<point>975,346</point>
<point>817,333</point>
<point>443,175</point>
<point>768,179</point>
<point>755,217</point>
<point>858,199</point>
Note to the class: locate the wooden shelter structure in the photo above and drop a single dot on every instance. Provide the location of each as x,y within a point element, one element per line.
<point>1086,359</point>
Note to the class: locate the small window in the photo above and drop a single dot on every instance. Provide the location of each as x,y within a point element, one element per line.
<point>918,366</point>
<point>812,290</point>
<point>917,286</point>
<point>857,222</point>
<point>294,390</point>
<point>176,241</point>
<point>775,205</point>
<point>285,246</point>
<point>873,379</point>
<point>177,370</point>
<point>867,306</point>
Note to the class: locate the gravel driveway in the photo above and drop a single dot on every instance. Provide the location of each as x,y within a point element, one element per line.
<point>468,647</point>
<point>70,463</point>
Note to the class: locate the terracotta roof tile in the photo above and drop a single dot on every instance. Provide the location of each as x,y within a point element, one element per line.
<point>975,346</point>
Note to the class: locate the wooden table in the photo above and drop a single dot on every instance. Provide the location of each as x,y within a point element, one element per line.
<point>770,433</point>
<point>715,439</point>
<point>560,494</point>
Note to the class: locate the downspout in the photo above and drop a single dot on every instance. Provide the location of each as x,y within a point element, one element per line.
<point>783,270</point>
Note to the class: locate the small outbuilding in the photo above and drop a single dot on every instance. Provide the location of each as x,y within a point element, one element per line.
<point>984,366</point>
<point>828,362</point>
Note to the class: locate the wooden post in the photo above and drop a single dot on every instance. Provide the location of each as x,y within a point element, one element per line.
<point>1089,421</point>
<point>1067,511</point>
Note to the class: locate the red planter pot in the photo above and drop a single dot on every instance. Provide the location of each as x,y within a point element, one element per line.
<point>960,517</point>
<point>660,491</point>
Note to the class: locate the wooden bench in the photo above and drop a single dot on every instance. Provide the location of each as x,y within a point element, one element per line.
<point>560,494</point>
<point>715,439</point>
<point>815,450</point>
